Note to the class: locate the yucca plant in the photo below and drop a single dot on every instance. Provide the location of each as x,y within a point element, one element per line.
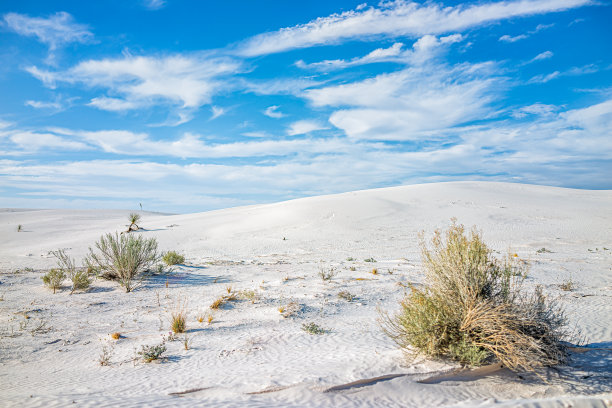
<point>134,219</point>
<point>124,258</point>
<point>473,309</point>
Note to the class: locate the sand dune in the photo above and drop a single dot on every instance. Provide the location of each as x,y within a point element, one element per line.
<point>250,355</point>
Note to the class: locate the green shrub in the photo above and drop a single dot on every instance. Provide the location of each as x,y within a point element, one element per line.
<point>150,353</point>
<point>172,258</point>
<point>124,258</point>
<point>80,277</point>
<point>473,309</point>
<point>54,278</point>
<point>313,328</point>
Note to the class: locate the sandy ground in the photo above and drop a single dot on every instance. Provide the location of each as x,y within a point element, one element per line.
<point>250,355</point>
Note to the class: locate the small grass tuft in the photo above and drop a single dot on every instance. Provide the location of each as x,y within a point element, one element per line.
<point>178,317</point>
<point>568,285</point>
<point>116,336</point>
<point>374,271</point>
<point>173,258</point>
<point>346,295</point>
<point>313,328</point>
<point>327,274</point>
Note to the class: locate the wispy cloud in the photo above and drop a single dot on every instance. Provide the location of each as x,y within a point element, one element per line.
<point>43,104</point>
<point>273,112</point>
<point>217,111</point>
<point>394,19</point>
<point>187,82</point>
<point>511,39</point>
<point>574,71</point>
<point>154,4</point>
<point>302,127</point>
<point>55,31</point>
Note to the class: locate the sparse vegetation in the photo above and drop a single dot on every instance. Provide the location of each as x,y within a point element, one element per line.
<point>369,260</point>
<point>568,285</point>
<point>54,278</point>
<point>172,258</point>
<point>78,276</point>
<point>151,353</point>
<point>327,274</point>
<point>134,219</point>
<point>543,251</point>
<point>473,309</point>
<point>105,354</point>
<point>313,328</point>
<point>116,336</point>
<point>178,317</point>
<point>346,295</point>
<point>291,309</point>
<point>123,258</point>
<point>374,271</point>
<point>220,301</point>
<point>350,259</point>
<point>19,228</point>
<point>249,295</point>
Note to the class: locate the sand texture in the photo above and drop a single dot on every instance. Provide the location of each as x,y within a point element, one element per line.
<point>271,256</point>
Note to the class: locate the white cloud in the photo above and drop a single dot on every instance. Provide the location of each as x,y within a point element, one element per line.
<point>55,31</point>
<point>574,71</point>
<point>273,112</point>
<point>542,56</point>
<point>154,4</point>
<point>302,127</point>
<point>511,39</point>
<point>538,109</point>
<point>43,105</point>
<point>397,18</point>
<point>187,82</point>
<point>28,141</point>
<point>217,111</point>
<point>408,104</point>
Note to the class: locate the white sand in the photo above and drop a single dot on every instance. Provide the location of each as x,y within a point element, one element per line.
<point>250,347</point>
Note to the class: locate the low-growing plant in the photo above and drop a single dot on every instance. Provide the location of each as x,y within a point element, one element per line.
<point>178,317</point>
<point>54,278</point>
<point>78,276</point>
<point>249,295</point>
<point>106,354</point>
<point>568,285</point>
<point>19,228</point>
<point>173,258</point>
<point>374,271</point>
<point>473,309</point>
<point>124,258</point>
<point>352,268</point>
<point>327,274</point>
<point>151,353</point>
<point>350,259</point>
<point>313,328</point>
<point>346,295</point>
<point>543,251</point>
<point>369,260</point>
<point>116,336</point>
<point>289,310</point>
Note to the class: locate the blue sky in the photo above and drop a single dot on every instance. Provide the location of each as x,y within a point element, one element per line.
<point>188,106</point>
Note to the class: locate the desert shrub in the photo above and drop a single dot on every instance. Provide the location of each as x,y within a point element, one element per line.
<point>346,295</point>
<point>473,309</point>
<point>313,328</point>
<point>124,258</point>
<point>150,353</point>
<point>172,258</point>
<point>54,278</point>
<point>327,274</point>
<point>134,219</point>
<point>78,276</point>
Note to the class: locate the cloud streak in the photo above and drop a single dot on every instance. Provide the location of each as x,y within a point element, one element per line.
<point>394,19</point>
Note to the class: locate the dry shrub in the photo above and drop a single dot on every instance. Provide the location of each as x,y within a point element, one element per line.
<point>473,309</point>
<point>80,277</point>
<point>173,258</point>
<point>178,317</point>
